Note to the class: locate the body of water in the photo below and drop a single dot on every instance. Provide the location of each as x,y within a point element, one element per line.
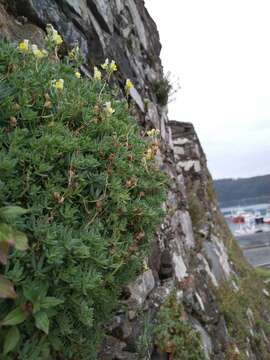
<point>250,208</point>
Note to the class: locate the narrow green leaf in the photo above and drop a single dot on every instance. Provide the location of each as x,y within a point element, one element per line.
<point>11,212</point>
<point>11,340</point>
<point>6,289</point>
<point>15,317</point>
<point>42,321</point>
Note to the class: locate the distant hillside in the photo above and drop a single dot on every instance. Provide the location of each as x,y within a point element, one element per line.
<point>232,192</point>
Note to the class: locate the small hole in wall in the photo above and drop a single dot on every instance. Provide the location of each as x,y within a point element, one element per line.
<point>165,272</point>
<point>166,269</point>
<point>125,294</point>
<point>130,347</point>
<point>157,355</point>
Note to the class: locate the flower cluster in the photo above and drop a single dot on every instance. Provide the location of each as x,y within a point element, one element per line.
<point>145,266</point>
<point>39,53</point>
<point>153,149</point>
<point>108,108</point>
<point>151,152</point>
<point>153,132</point>
<point>25,47</point>
<point>74,53</point>
<point>129,85</point>
<point>58,84</point>
<point>53,36</point>
<point>110,67</point>
<point>97,74</point>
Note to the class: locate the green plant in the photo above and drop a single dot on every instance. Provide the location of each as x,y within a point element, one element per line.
<point>196,211</point>
<point>232,354</point>
<point>162,89</point>
<point>175,336</point>
<point>263,274</point>
<point>144,343</point>
<point>235,306</point>
<point>9,237</point>
<point>71,152</point>
<point>248,294</point>
<point>210,191</point>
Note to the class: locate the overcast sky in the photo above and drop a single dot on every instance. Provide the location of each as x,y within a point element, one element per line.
<point>220,51</point>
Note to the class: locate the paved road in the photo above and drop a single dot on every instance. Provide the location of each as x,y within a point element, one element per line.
<point>254,240</point>
<point>258,257</point>
<point>256,248</point>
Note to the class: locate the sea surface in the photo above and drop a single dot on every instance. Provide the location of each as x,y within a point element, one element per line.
<point>252,208</point>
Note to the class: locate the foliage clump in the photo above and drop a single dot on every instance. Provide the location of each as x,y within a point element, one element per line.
<point>71,155</point>
<point>162,89</point>
<point>196,211</point>
<point>175,336</point>
<point>245,305</point>
<point>145,340</point>
<point>9,238</point>
<point>236,305</point>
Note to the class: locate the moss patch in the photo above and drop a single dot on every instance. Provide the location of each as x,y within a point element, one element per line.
<point>175,336</point>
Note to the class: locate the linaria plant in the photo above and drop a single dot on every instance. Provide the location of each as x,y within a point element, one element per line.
<point>71,155</point>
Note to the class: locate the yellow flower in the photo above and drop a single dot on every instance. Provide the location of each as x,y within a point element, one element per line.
<point>145,265</point>
<point>153,132</point>
<point>113,66</point>
<point>108,108</point>
<point>78,75</point>
<point>97,73</point>
<point>129,85</point>
<point>149,154</point>
<point>44,52</point>
<point>150,132</point>
<point>58,84</point>
<point>109,67</point>
<point>105,65</point>
<point>57,38</point>
<point>53,35</point>
<point>24,45</point>
<point>38,53</point>
<point>74,53</point>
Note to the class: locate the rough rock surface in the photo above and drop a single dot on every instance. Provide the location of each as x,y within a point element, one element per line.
<point>188,253</point>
